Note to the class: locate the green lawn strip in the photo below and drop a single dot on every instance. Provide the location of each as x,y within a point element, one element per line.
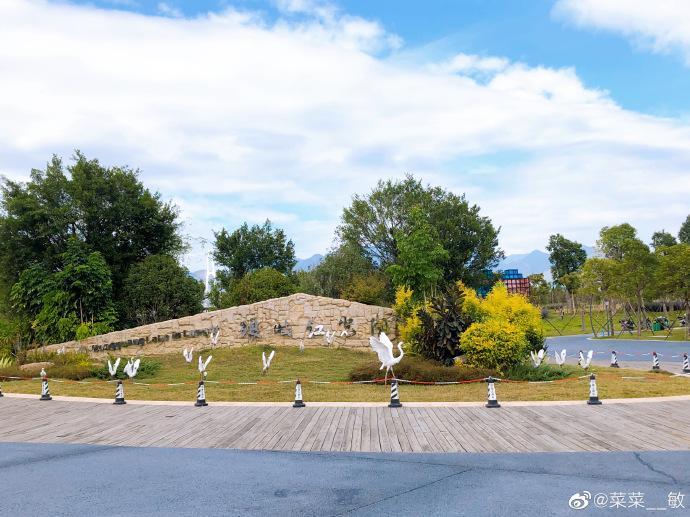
<point>243,364</point>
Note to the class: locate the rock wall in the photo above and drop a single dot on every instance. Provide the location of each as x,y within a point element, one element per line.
<point>280,321</point>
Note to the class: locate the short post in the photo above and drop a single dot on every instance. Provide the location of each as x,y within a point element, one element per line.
<point>298,395</point>
<point>614,359</point>
<point>1,395</point>
<point>492,400</point>
<point>686,365</point>
<point>201,395</point>
<point>45,391</point>
<point>395,400</point>
<point>119,394</point>
<point>593,393</point>
<point>655,361</point>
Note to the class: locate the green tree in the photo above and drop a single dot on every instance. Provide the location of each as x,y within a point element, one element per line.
<point>337,272</point>
<point>250,249</point>
<point>539,289</point>
<point>612,240</point>
<point>663,238</point>
<point>566,258</point>
<point>420,256</point>
<point>373,221</point>
<point>107,209</point>
<point>637,273</point>
<point>684,233</point>
<point>75,300</point>
<point>159,289</point>
<point>673,275</point>
<point>257,286</point>
<point>371,289</point>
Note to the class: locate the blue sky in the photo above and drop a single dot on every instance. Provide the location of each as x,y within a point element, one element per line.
<point>553,116</point>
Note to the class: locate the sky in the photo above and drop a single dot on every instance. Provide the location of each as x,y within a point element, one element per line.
<point>552,116</point>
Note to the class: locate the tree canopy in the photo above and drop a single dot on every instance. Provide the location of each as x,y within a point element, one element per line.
<point>159,289</point>
<point>374,222</point>
<point>106,208</point>
<point>684,233</point>
<point>249,249</point>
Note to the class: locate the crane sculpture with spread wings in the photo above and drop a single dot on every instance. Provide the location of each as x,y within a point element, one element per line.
<point>384,349</point>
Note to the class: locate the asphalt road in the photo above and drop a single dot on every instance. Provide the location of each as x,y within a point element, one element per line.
<point>626,349</point>
<point>56,479</point>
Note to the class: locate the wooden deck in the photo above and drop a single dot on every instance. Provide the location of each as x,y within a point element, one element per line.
<point>539,428</point>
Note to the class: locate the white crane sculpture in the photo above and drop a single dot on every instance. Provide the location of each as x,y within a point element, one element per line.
<point>560,358</point>
<point>203,365</point>
<point>112,368</point>
<point>537,358</point>
<point>384,349</point>
<point>267,362</point>
<point>215,334</point>
<point>43,373</point>
<point>329,337</point>
<point>301,345</point>
<point>188,354</point>
<point>61,351</point>
<point>131,368</point>
<point>585,362</point>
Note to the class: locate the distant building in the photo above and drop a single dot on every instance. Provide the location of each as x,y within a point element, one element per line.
<point>514,282</point>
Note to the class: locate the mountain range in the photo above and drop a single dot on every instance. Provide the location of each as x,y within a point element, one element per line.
<point>536,261</point>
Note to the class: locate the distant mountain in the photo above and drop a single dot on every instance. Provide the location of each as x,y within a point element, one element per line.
<point>308,263</point>
<point>534,262</point>
<point>199,275</point>
<point>527,263</point>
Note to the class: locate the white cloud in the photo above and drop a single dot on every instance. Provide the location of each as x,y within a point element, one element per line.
<point>660,25</point>
<point>469,63</point>
<point>237,118</point>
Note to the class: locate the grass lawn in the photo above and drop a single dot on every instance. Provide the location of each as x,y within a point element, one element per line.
<point>568,326</point>
<point>232,365</point>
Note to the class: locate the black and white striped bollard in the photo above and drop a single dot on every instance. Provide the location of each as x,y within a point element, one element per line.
<point>119,394</point>
<point>492,400</point>
<point>686,364</point>
<point>395,400</point>
<point>614,359</point>
<point>655,361</point>
<point>201,395</point>
<point>593,393</point>
<point>1,395</point>
<point>45,391</point>
<point>298,395</point>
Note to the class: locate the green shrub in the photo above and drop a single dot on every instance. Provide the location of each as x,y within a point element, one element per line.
<point>545,372</point>
<point>494,344</point>
<point>147,368</point>
<point>420,369</point>
<point>40,355</point>
<point>6,362</point>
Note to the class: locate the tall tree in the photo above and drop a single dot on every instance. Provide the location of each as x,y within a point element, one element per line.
<point>106,208</point>
<point>684,233</point>
<point>566,258</point>
<point>663,238</point>
<point>612,240</point>
<point>673,275</point>
<point>420,256</point>
<point>159,289</point>
<point>250,249</point>
<point>372,222</point>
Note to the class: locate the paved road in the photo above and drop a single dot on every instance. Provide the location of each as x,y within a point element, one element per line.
<point>40,479</point>
<point>628,350</point>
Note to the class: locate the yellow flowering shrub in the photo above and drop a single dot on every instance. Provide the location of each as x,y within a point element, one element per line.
<point>407,314</point>
<point>495,344</point>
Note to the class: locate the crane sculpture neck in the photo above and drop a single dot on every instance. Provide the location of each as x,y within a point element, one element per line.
<point>402,352</point>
